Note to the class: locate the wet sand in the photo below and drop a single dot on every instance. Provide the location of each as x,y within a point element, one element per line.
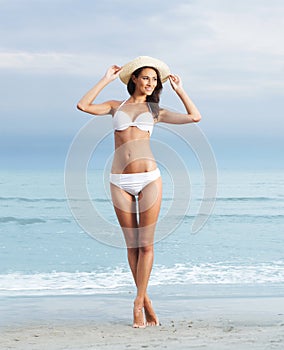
<point>97,322</point>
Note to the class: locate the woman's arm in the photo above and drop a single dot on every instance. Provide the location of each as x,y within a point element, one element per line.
<point>193,115</point>
<point>86,103</point>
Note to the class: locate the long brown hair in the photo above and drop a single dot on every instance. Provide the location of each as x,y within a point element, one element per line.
<point>154,98</point>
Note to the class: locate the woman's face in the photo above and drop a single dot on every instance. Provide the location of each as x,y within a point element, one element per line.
<point>146,81</point>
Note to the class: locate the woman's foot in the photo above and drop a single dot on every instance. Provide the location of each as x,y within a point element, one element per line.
<point>151,317</point>
<point>138,316</point>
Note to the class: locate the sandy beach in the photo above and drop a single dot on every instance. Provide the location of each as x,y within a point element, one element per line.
<point>75,323</point>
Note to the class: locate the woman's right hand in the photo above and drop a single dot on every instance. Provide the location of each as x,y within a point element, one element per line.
<point>113,72</point>
<point>86,103</point>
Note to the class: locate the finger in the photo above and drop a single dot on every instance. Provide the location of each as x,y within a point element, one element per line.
<point>115,68</point>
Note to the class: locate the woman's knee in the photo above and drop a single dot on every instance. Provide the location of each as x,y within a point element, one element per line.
<point>133,251</point>
<point>146,249</point>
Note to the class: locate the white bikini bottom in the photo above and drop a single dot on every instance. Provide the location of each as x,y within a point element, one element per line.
<point>134,183</point>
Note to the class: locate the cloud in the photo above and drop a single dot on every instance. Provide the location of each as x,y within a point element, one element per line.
<point>218,46</point>
<point>52,62</point>
<point>258,31</point>
<point>229,47</point>
<point>33,61</point>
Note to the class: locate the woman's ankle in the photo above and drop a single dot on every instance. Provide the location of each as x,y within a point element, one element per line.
<point>139,301</point>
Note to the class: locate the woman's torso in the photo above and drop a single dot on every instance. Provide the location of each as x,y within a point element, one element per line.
<point>133,153</point>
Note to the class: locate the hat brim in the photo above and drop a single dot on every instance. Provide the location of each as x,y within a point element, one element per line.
<point>144,61</point>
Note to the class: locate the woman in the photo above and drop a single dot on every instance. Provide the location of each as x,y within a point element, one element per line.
<point>135,181</point>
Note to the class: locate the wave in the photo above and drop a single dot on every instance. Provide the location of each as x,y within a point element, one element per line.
<point>223,273</point>
<point>119,280</point>
<point>21,221</point>
<point>32,200</point>
<point>252,216</point>
<point>56,200</point>
<point>31,221</point>
<point>241,216</point>
<point>244,199</point>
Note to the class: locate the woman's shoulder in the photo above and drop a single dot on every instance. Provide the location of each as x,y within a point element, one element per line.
<point>115,104</point>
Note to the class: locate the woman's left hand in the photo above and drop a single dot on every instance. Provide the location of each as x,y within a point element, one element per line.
<point>175,81</point>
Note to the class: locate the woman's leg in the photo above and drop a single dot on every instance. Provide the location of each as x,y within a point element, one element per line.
<point>125,208</point>
<point>139,247</point>
<point>149,208</point>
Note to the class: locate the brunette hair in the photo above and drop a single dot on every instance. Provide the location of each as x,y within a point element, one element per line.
<point>155,96</point>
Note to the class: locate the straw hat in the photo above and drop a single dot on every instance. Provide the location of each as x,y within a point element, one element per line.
<point>143,61</point>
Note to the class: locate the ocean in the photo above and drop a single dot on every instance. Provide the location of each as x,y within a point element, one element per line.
<point>239,250</point>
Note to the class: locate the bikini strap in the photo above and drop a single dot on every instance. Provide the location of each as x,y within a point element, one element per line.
<point>119,107</point>
<point>122,104</point>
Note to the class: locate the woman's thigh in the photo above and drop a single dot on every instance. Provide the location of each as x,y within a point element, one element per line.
<point>149,204</point>
<point>125,209</point>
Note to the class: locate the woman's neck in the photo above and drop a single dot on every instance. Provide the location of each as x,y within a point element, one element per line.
<point>137,98</point>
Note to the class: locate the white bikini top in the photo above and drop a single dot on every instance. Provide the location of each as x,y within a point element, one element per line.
<point>122,121</point>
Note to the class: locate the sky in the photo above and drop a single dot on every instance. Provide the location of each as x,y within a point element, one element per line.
<point>230,56</point>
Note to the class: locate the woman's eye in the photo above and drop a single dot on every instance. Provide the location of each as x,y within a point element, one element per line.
<point>147,78</point>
